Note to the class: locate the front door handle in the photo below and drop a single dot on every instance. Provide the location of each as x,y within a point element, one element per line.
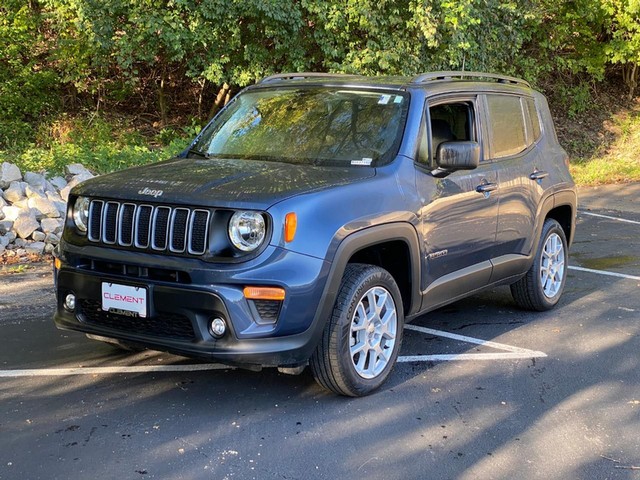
<point>538,175</point>
<point>486,187</point>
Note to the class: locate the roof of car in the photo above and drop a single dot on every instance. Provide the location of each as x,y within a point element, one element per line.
<point>394,82</point>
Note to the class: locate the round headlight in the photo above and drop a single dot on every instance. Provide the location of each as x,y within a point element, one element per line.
<point>247,230</point>
<point>81,213</point>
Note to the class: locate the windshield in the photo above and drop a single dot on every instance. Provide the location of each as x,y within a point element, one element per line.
<point>308,126</point>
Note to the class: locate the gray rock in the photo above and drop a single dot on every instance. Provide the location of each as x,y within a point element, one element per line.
<point>9,173</point>
<point>51,225</point>
<point>21,252</point>
<point>64,193</point>
<point>1,214</point>
<point>60,204</point>
<point>3,202</point>
<point>35,179</point>
<point>11,212</point>
<point>15,192</point>
<point>38,236</point>
<point>11,236</point>
<point>25,225</point>
<point>76,169</point>
<point>22,204</point>
<point>58,182</point>
<point>2,249</point>
<point>4,241</point>
<point>79,179</point>
<point>35,247</point>
<point>52,238</point>
<point>44,205</point>
<point>32,191</point>
<point>49,248</point>
<point>5,226</point>
<point>20,242</point>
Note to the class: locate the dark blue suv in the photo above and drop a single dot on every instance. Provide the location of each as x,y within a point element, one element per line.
<point>318,213</point>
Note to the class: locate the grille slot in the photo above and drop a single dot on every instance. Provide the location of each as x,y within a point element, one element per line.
<point>160,325</point>
<point>159,227</point>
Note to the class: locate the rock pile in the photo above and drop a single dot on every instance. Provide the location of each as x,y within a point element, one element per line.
<point>33,208</point>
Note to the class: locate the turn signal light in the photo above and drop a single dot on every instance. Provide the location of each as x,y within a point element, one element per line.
<point>290,226</point>
<point>264,293</point>
<point>57,263</point>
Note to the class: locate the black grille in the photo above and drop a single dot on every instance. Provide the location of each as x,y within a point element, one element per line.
<point>179,230</point>
<point>268,309</point>
<point>143,226</point>
<point>127,212</point>
<point>160,227</point>
<point>160,325</point>
<point>199,228</point>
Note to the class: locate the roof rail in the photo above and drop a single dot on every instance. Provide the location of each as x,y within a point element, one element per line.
<point>302,75</point>
<point>432,76</point>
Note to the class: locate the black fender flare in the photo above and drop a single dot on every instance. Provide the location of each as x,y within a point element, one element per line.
<point>367,237</point>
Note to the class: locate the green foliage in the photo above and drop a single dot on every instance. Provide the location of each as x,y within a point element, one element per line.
<point>26,84</point>
<point>152,57</point>
<point>102,145</point>
<point>615,160</point>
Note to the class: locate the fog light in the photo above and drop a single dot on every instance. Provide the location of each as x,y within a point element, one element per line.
<point>217,327</point>
<point>70,302</point>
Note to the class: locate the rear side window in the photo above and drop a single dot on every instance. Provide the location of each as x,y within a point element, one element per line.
<point>508,130</point>
<point>535,120</point>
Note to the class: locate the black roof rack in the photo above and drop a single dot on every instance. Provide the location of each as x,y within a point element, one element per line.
<point>433,76</point>
<point>302,75</point>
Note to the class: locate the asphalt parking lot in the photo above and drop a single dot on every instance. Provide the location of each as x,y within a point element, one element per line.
<point>483,390</point>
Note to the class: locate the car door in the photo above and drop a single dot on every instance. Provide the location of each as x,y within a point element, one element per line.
<point>458,216</point>
<point>513,131</point>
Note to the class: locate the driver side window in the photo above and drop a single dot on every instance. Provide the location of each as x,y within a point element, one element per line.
<point>451,122</point>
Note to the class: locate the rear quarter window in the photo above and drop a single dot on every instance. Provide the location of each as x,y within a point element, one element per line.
<point>535,120</point>
<point>508,131</point>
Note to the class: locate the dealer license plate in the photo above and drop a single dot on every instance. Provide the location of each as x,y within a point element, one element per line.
<point>124,300</point>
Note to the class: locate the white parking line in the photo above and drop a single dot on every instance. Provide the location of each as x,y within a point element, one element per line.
<point>581,212</point>
<point>510,354</point>
<point>55,372</point>
<point>604,272</point>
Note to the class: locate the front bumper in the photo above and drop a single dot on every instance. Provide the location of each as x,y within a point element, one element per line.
<point>183,296</point>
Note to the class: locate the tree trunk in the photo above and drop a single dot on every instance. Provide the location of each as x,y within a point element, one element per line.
<point>162,100</point>
<point>630,77</point>
<point>223,97</point>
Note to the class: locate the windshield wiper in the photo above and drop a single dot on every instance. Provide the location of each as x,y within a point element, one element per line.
<point>197,152</point>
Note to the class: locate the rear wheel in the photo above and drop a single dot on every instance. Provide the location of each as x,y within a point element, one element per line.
<point>541,288</point>
<point>361,341</point>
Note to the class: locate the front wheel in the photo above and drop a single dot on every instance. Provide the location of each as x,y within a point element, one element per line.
<point>540,289</point>
<point>361,341</point>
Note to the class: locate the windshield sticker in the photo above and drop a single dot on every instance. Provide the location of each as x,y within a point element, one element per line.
<point>384,99</point>
<point>366,161</point>
<point>398,99</point>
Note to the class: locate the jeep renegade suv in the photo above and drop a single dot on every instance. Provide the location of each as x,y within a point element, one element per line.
<point>315,215</point>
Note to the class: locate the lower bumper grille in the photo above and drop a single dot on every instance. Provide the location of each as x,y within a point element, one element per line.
<point>160,325</point>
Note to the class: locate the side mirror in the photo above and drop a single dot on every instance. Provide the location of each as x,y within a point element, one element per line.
<point>453,156</point>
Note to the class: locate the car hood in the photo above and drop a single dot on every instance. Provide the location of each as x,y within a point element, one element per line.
<point>219,182</point>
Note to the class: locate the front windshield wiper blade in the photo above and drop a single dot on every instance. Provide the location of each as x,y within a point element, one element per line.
<point>197,152</point>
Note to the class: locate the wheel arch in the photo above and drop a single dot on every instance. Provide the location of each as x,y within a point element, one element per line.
<point>392,246</point>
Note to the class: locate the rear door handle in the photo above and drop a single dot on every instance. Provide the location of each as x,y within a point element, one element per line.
<point>486,187</point>
<point>538,175</point>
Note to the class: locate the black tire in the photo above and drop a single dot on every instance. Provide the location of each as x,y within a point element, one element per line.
<point>531,292</point>
<point>333,365</point>
<point>116,344</point>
